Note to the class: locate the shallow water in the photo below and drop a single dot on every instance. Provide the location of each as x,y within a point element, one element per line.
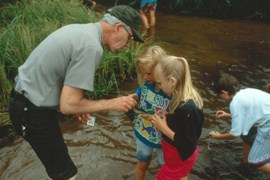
<point>107,150</point>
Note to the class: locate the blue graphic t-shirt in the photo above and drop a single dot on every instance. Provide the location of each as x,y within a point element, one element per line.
<point>151,101</point>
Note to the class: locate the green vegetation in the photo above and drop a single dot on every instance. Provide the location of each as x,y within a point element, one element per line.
<point>24,24</point>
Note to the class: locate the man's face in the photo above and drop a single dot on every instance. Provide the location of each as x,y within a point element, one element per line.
<point>120,38</point>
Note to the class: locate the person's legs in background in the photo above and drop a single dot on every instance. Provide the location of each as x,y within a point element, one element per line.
<point>152,13</point>
<point>144,18</point>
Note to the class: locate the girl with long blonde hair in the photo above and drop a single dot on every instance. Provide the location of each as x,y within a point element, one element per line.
<point>182,128</point>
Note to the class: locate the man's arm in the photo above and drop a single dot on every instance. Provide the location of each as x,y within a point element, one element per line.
<point>72,101</point>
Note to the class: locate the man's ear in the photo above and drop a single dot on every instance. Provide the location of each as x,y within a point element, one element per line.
<point>173,81</point>
<point>118,26</point>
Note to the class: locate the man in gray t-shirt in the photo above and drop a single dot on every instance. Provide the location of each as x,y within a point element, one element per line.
<point>55,76</point>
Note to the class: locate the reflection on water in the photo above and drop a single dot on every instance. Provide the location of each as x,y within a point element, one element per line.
<point>107,150</point>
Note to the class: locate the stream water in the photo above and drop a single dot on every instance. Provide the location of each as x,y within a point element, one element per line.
<point>107,150</point>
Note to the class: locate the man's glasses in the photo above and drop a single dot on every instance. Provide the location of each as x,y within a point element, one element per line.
<point>130,36</point>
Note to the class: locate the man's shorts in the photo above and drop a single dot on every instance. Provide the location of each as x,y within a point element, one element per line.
<point>144,153</point>
<point>39,126</point>
<point>260,151</point>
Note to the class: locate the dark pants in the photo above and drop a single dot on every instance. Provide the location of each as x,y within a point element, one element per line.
<point>250,137</point>
<point>43,134</point>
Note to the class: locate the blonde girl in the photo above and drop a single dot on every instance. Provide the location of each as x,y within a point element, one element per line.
<point>182,128</point>
<point>148,137</point>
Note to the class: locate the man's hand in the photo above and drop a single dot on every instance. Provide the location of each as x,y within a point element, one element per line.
<point>83,118</point>
<point>72,101</point>
<point>123,104</point>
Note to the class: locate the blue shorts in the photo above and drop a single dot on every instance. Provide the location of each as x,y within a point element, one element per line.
<point>43,134</point>
<point>260,151</point>
<point>149,7</point>
<point>144,153</point>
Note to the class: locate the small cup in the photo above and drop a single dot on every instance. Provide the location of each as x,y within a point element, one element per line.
<point>91,121</point>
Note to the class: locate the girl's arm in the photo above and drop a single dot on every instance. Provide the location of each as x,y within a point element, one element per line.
<point>161,124</point>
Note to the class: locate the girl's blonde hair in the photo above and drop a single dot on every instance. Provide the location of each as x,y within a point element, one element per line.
<point>149,57</point>
<point>178,68</point>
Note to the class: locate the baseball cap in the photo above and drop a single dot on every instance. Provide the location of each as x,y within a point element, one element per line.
<point>130,17</point>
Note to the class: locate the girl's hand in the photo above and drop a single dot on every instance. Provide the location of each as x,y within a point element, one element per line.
<point>83,118</point>
<point>162,113</point>
<point>222,114</point>
<point>159,120</point>
<point>147,117</point>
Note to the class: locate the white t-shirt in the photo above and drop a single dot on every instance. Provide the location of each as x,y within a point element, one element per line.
<point>249,107</point>
<point>68,56</point>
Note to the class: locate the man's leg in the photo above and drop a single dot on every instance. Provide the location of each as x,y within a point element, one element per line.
<point>44,135</point>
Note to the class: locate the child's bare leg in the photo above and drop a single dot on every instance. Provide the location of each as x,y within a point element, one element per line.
<point>265,168</point>
<point>184,178</point>
<point>152,30</point>
<point>246,150</point>
<point>141,168</point>
<point>152,17</point>
<point>144,19</point>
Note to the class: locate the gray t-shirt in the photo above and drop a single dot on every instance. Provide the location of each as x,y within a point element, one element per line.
<point>68,56</point>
